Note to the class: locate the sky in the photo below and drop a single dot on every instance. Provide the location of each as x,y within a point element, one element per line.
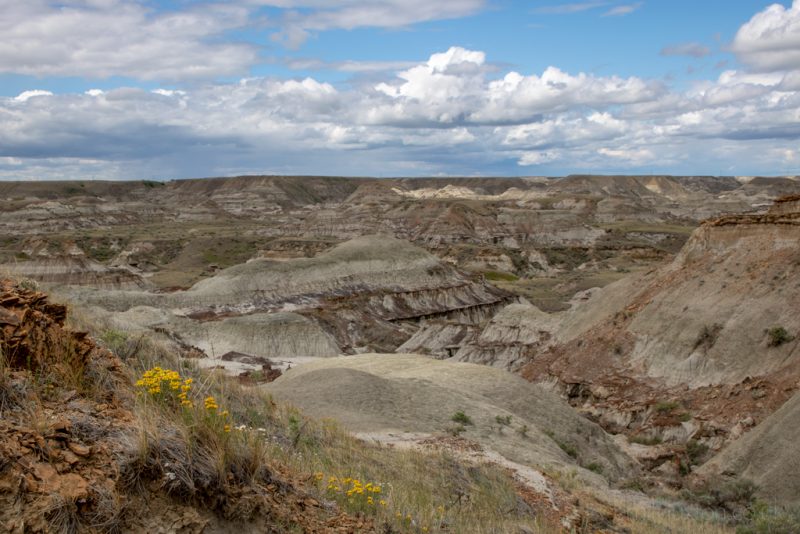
<point>146,89</point>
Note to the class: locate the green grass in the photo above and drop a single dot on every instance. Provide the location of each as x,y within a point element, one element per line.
<point>500,276</point>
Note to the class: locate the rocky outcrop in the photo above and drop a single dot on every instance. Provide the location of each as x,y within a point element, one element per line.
<point>366,294</point>
<point>76,270</point>
<point>77,454</point>
<point>510,339</point>
<point>709,338</point>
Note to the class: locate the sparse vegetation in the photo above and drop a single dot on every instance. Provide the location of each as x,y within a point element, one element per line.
<point>736,496</point>
<point>665,407</point>
<point>499,276</point>
<point>645,440</point>
<point>456,430</point>
<point>461,418</point>
<point>568,448</point>
<point>696,451</point>
<point>708,336</point>
<point>764,519</point>
<point>595,467</point>
<point>778,335</point>
<point>504,420</point>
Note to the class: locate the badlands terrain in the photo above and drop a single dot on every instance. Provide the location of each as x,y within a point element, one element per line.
<point>588,353</point>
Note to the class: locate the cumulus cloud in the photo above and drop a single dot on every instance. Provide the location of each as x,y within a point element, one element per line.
<point>453,88</point>
<point>453,112</point>
<point>770,40</point>
<point>99,39</point>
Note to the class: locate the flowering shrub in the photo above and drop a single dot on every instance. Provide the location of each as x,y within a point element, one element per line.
<point>357,495</point>
<point>168,387</point>
<point>368,498</point>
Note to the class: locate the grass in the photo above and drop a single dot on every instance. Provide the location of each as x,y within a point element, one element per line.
<point>732,496</point>
<point>666,517</point>
<point>765,519</point>
<point>595,467</point>
<point>666,406</point>
<point>500,276</point>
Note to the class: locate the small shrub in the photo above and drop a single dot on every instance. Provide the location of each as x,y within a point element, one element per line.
<point>665,406</point>
<point>778,336</point>
<point>504,420</point>
<point>634,484</point>
<point>30,284</point>
<point>523,431</point>
<point>732,496</point>
<point>708,336</point>
<point>696,450</point>
<point>461,418</point>
<point>456,430</point>
<point>645,440</point>
<point>353,494</point>
<point>595,467</point>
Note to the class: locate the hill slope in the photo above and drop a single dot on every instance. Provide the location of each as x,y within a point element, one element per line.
<point>406,393</point>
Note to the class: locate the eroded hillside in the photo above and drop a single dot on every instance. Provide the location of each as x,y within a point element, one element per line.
<point>650,341</point>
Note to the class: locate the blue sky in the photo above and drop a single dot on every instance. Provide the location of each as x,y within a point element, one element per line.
<point>123,89</point>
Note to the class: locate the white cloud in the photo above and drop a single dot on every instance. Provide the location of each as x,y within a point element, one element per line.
<point>103,38</point>
<point>638,155</point>
<point>770,41</point>
<point>453,113</point>
<point>348,66</point>
<point>27,95</point>
<point>538,158</point>
<point>625,9</point>
<point>321,15</point>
